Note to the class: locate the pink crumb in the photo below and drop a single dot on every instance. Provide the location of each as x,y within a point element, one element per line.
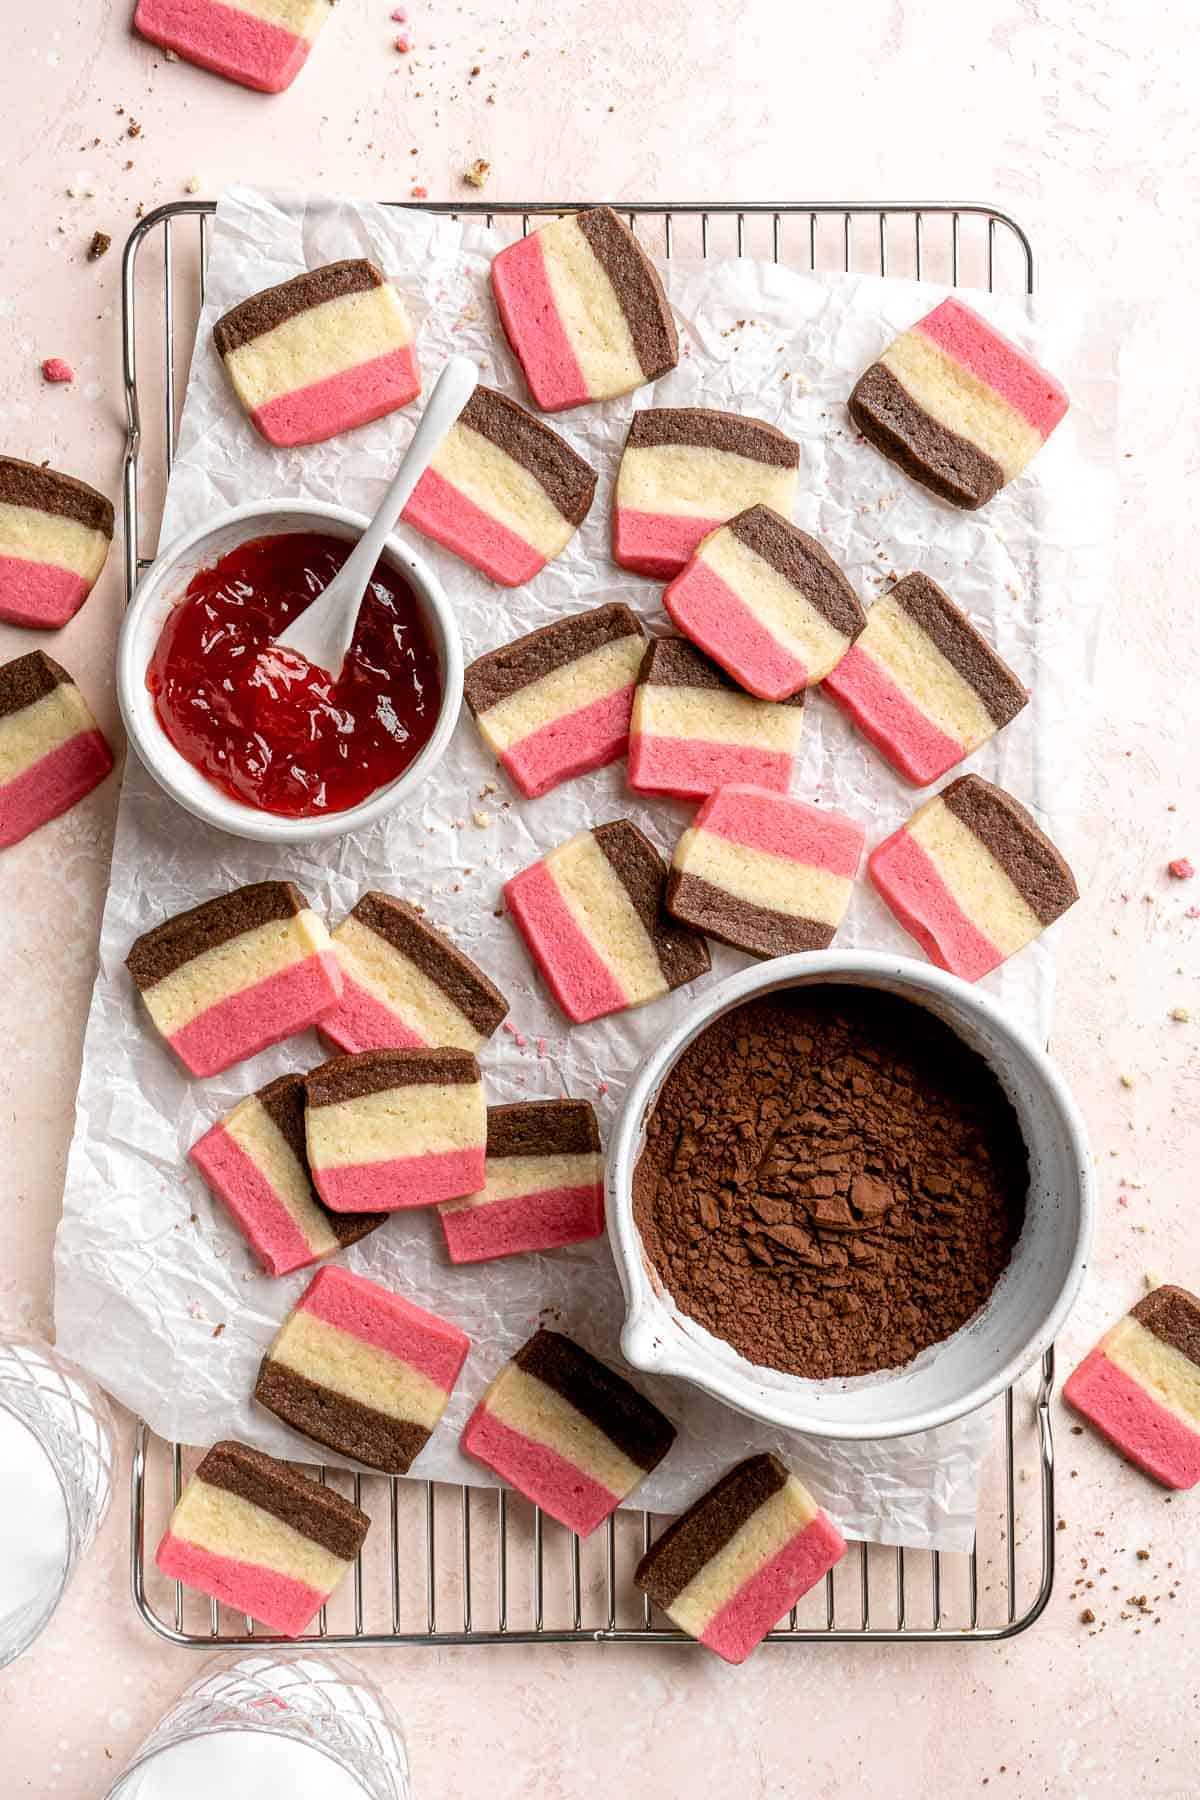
<point>399,16</point>
<point>1193,912</point>
<point>518,1037</point>
<point>1181,869</point>
<point>55,369</point>
<point>403,44</point>
<point>602,1089</point>
<point>541,1046</point>
<point>420,193</point>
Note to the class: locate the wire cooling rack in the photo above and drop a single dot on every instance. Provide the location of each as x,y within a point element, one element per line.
<point>458,1565</point>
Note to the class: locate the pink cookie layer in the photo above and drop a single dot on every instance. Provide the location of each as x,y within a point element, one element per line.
<point>773,1590</point>
<point>51,785</point>
<point>997,362</point>
<point>580,980</point>
<point>452,519</point>
<point>908,880</point>
<point>692,768</point>
<point>1145,1432</point>
<point>362,1022</point>
<point>226,40</point>
<point>783,827</point>
<point>262,1014</point>
<point>399,1182</point>
<point>286,1605</point>
<point>657,543</point>
<point>39,593</point>
<point>885,715</point>
<point>265,1221</point>
<point>710,612</point>
<point>423,1340</point>
<point>525,301</point>
<point>542,1221</point>
<point>589,738</point>
<point>339,403</point>
<point>559,1487</point>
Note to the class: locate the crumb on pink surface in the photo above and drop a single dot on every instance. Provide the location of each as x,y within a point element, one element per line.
<point>403,44</point>
<point>1181,869</point>
<point>420,193</point>
<point>399,16</point>
<point>54,368</point>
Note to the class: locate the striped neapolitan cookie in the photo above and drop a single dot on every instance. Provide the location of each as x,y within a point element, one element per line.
<point>250,1532</point>
<point>54,538</point>
<point>922,684</point>
<point>361,1370</point>
<point>503,491</point>
<point>52,752</point>
<point>684,471</point>
<point>556,702</point>
<point>405,986</point>
<point>330,349</point>
<point>262,44</point>
<point>1140,1386</point>
<point>972,877</point>
<point>957,405</point>
<point>741,1557</point>
<point>583,308</point>
<point>768,603</point>
<point>256,1161</point>
<point>765,872</point>
<point>566,1432</point>
<point>543,1188</point>
<point>235,974</point>
<point>694,730</point>
<point>592,915</point>
<point>396,1128</point>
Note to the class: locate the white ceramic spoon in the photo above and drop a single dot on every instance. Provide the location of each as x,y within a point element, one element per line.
<point>323,632</point>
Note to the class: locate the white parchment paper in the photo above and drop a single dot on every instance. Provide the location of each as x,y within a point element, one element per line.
<point>148,1264</point>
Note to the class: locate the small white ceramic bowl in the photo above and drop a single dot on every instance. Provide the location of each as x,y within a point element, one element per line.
<point>1028,1304</point>
<point>166,581</point>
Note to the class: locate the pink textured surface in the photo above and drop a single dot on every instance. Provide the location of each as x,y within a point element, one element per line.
<point>53,785</point>
<point>355,397</point>
<point>254,1204</point>
<point>226,40</point>
<point>535,330</point>
<point>376,1316</point>
<point>908,880</point>
<point>708,610</point>
<point>1132,1419</point>
<point>39,594</point>
<point>361,1022</point>
<point>783,826</point>
<point>773,1590</point>
<point>452,519</point>
<point>557,1485</point>
<point>265,1013</point>
<point>578,977</point>
<point>691,768</point>
<point>970,340</point>
<point>656,543</point>
<point>398,1182</point>
<point>589,738</point>
<point>540,1221</point>
<point>883,712</point>
<point>275,1600</point>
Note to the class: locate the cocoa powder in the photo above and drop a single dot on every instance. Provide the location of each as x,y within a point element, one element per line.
<point>831,1181</point>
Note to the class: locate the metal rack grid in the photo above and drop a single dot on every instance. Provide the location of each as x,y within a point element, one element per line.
<point>459,1565</point>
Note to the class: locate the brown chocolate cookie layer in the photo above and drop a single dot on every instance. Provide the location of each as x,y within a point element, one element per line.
<point>633,1424</point>
<point>700,1533</point>
<point>682,956</point>
<point>1035,868</point>
<point>318,1513</point>
<point>374,1071</point>
<point>499,673</point>
<point>964,648</point>
<point>638,288</point>
<point>542,1128</point>
<point>264,311</point>
<point>802,562</point>
<point>28,679</point>
<point>158,953</point>
<point>674,662</point>
<point>1173,1315</point>
<point>739,923</point>
<point>28,484</point>
<point>940,460</point>
<point>704,428</point>
<point>283,1102</point>
<point>338,1422</point>
<point>569,482</point>
<point>463,983</point>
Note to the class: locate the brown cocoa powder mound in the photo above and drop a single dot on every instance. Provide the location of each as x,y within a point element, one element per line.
<point>831,1181</point>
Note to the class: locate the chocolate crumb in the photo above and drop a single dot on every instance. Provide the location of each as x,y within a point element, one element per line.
<point>101,243</point>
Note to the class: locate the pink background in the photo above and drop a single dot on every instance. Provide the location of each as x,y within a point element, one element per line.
<point>1076,115</point>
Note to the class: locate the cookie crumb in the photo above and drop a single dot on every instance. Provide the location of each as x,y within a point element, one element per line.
<point>403,45</point>
<point>101,243</point>
<point>1126,1081</point>
<point>133,129</point>
<point>1087,1616</point>
<point>54,368</point>
<point>476,176</point>
<point>1181,869</point>
<point>1180,1014</point>
<point>481,818</point>
<point>420,193</point>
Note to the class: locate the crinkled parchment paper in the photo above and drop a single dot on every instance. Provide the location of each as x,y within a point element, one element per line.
<point>147,1262</point>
